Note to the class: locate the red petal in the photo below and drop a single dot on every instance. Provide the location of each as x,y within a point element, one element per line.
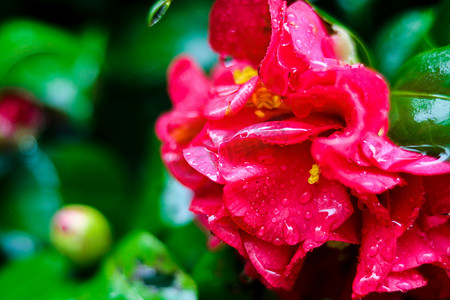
<point>403,281</point>
<point>240,29</point>
<point>278,265</point>
<point>437,194</point>
<point>406,203</point>
<point>387,156</point>
<point>188,86</point>
<point>229,100</point>
<point>271,197</point>
<point>377,253</point>
<point>204,161</point>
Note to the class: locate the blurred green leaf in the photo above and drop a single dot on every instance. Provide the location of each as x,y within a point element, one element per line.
<point>226,265</point>
<point>42,277</point>
<point>440,32</point>
<point>187,244</point>
<point>420,104</point>
<point>93,176</point>
<point>400,39</point>
<point>143,55</point>
<point>141,268</point>
<point>60,69</point>
<point>31,195</point>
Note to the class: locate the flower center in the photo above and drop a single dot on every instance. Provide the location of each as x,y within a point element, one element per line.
<point>315,174</point>
<point>262,98</point>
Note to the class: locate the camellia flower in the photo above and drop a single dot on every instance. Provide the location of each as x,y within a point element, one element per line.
<point>285,147</point>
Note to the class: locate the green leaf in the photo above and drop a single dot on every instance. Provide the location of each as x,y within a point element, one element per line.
<point>30,195</point>
<point>141,268</point>
<point>60,69</point>
<point>157,11</point>
<point>91,175</point>
<point>402,38</point>
<point>420,104</point>
<point>42,277</point>
<point>440,32</point>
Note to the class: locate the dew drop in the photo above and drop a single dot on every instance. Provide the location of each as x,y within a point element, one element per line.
<point>372,251</point>
<point>276,211</point>
<point>261,231</point>
<point>285,201</point>
<point>404,286</point>
<point>305,197</point>
<point>425,258</point>
<point>308,215</point>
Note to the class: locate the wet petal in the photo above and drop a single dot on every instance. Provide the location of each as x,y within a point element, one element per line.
<point>277,204</point>
<point>402,281</point>
<point>363,179</point>
<point>229,100</point>
<point>239,29</point>
<point>204,161</point>
<point>377,253</point>
<point>188,85</point>
<point>387,156</point>
<point>278,265</point>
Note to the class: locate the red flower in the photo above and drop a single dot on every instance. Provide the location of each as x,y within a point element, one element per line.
<point>276,157</point>
<point>19,115</point>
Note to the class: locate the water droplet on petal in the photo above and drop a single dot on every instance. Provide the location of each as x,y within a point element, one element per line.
<point>305,197</point>
<point>425,258</point>
<point>261,231</point>
<point>404,286</point>
<point>372,251</point>
<point>276,211</point>
<point>308,215</point>
<point>285,201</point>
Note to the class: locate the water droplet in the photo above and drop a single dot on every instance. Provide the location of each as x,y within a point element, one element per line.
<point>308,215</point>
<point>285,201</point>
<point>305,197</point>
<point>372,251</point>
<point>398,267</point>
<point>274,220</point>
<point>276,211</point>
<point>425,258</point>
<point>261,231</point>
<point>157,11</point>
<point>404,286</point>
<point>291,236</point>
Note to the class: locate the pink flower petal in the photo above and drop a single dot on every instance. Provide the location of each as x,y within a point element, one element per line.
<point>204,161</point>
<point>267,205</point>
<point>229,100</point>
<point>405,203</point>
<point>377,253</point>
<point>387,156</point>
<point>240,29</point>
<point>402,281</point>
<point>188,86</point>
<point>278,265</point>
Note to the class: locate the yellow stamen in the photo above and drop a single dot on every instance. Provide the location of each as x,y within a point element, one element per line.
<point>245,75</point>
<point>337,245</point>
<point>260,113</point>
<point>315,173</point>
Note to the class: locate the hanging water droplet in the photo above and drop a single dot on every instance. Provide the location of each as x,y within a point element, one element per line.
<point>157,11</point>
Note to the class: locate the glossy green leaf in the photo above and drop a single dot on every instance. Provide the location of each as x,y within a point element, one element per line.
<point>141,268</point>
<point>420,104</point>
<point>402,38</point>
<point>59,68</point>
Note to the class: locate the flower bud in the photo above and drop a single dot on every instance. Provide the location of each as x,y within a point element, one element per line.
<point>81,233</point>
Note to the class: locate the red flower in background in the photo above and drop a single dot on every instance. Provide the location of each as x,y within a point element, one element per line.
<point>278,157</point>
<point>19,115</point>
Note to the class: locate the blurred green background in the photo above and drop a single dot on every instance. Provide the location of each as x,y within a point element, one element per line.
<point>95,74</point>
